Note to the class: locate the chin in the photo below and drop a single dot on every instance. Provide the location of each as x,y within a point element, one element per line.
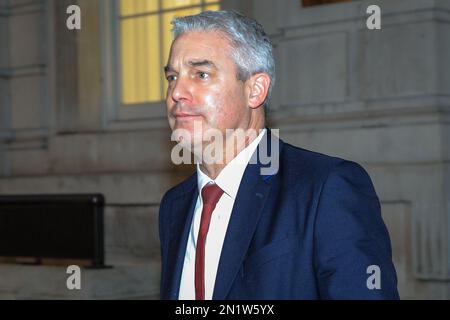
<point>187,137</point>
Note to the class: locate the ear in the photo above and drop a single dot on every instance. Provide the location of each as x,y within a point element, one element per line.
<point>258,88</point>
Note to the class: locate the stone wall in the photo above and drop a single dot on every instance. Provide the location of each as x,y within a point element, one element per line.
<point>378,97</point>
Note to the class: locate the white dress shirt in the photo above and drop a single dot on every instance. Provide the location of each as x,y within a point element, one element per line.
<point>228,180</point>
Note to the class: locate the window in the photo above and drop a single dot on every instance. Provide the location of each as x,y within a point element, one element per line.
<point>145,38</point>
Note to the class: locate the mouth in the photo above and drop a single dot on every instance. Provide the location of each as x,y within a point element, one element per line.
<point>185,116</point>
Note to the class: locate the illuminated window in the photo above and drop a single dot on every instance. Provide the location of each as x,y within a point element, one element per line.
<point>145,40</point>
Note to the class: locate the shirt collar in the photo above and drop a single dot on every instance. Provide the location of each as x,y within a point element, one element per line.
<point>230,177</point>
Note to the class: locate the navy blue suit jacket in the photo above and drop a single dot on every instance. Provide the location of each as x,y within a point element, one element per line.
<point>308,231</point>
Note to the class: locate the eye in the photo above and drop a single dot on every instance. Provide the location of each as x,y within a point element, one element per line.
<point>203,75</point>
<point>171,77</point>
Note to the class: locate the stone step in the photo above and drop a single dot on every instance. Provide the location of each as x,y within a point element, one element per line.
<point>132,281</point>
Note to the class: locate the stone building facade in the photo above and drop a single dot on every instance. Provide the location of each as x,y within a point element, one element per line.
<point>378,97</point>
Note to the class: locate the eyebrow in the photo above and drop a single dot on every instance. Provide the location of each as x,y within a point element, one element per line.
<point>167,68</point>
<point>194,63</point>
<point>201,63</point>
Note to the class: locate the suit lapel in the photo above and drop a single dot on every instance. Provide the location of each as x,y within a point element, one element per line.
<point>249,204</point>
<point>182,213</point>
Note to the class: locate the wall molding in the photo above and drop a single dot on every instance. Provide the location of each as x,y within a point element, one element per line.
<point>388,106</point>
<point>23,71</point>
<point>28,7</point>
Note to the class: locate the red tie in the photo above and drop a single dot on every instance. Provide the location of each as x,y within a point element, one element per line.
<point>211,193</point>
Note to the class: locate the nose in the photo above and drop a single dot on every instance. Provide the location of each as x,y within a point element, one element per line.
<point>182,90</point>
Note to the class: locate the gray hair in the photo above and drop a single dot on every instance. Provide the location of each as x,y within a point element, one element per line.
<point>252,48</point>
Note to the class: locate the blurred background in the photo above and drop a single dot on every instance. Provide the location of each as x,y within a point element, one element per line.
<point>82,111</point>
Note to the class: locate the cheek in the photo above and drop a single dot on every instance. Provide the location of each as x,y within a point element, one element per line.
<point>169,106</point>
<point>234,102</point>
<point>222,106</point>
<point>212,102</point>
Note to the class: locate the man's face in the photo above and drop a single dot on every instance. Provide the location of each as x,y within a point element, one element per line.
<point>203,86</point>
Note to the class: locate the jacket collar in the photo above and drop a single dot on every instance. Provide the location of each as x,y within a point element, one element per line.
<point>251,198</point>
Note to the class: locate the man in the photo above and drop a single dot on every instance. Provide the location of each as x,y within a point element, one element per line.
<point>310,228</point>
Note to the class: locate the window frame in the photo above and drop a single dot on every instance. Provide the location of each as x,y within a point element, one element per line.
<point>115,114</point>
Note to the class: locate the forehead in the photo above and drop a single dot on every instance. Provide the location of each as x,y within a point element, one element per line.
<point>198,45</point>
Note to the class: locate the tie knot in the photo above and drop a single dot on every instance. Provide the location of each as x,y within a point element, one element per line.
<point>211,193</point>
